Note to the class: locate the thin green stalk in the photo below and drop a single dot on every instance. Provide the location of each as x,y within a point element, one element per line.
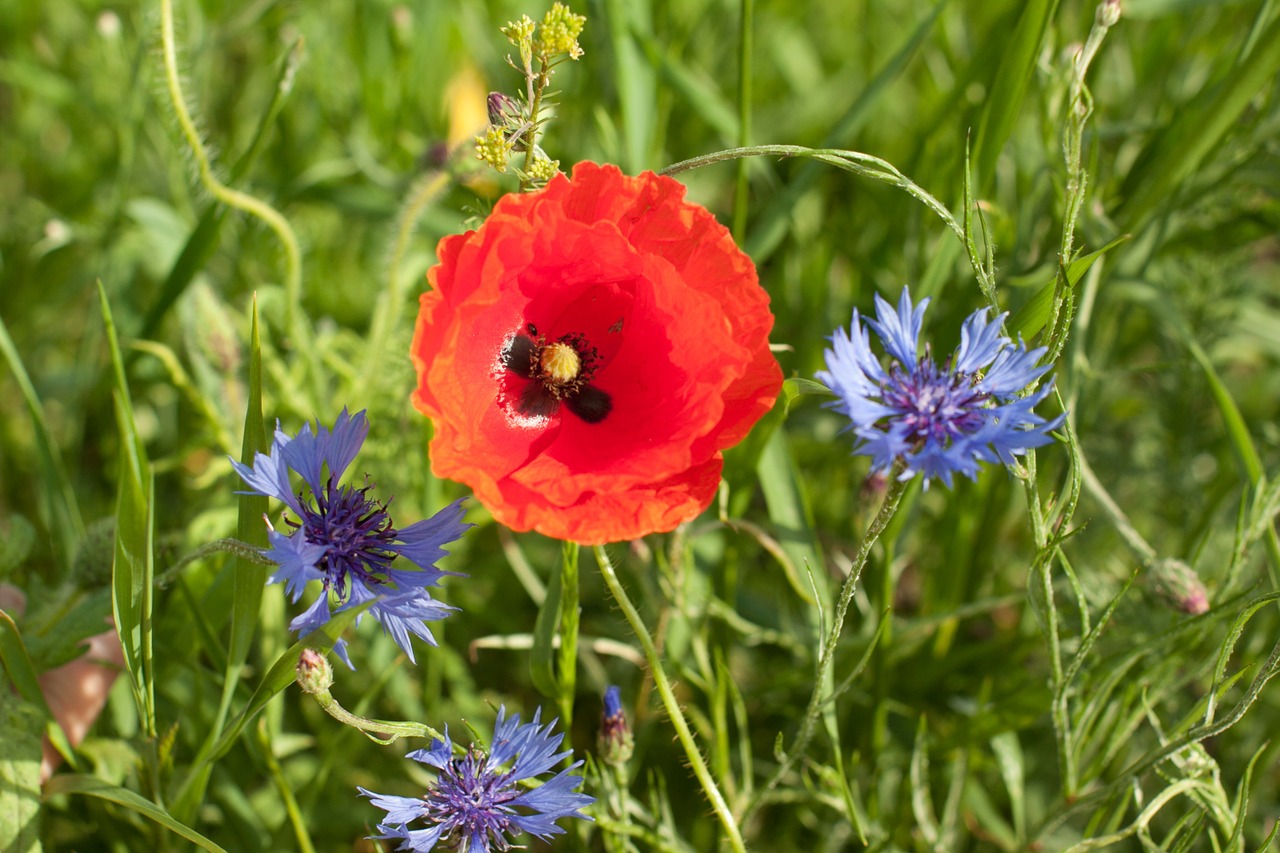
<point>387,314</point>
<point>880,724</point>
<point>741,192</point>
<point>856,162</point>
<point>826,660</point>
<point>669,701</point>
<point>228,545</point>
<point>228,196</point>
<point>392,729</point>
<point>569,617</point>
<point>285,790</point>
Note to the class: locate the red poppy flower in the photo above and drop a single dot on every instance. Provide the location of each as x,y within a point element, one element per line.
<point>588,352</point>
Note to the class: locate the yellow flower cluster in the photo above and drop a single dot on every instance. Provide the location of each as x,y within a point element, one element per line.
<point>560,31</point>
<point>494,148</point>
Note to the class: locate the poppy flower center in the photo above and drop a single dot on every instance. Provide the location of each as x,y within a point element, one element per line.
<point>559,371</point>
<point>560,363</point>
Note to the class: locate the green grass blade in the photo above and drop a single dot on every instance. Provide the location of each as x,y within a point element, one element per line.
<point>771,223</point>
<point>1032,316</point>
<point>248,581</point>
<point>64,510</point>
<point>1009,88</point>
<point>22,676</point>
<point>635,82</point>
<point>19,774</point>
<point>1241,443</point>
<point>1176,152</point>
<point>132,573</point>
<point>542,656</point>
<point>249,578</point>
<point>784,494</point>
<point>91,786</point>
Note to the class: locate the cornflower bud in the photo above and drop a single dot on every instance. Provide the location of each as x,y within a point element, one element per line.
<point>314,675</point>
<point>615,742</point>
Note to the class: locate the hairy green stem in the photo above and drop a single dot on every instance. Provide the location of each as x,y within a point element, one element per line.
<point>826,660</point>
<point>669,701</point>
<point>223,193</point>
<point>227,545</point>
<point>394,730</point>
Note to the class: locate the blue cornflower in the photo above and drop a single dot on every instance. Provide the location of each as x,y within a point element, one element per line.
<point>345,538</point>
<point>939,420</point>
<point>478,806</point>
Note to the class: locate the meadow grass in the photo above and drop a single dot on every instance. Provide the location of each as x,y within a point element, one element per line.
<point>214,216</point>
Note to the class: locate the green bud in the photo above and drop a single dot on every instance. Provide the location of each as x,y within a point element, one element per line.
<point>314,675</point>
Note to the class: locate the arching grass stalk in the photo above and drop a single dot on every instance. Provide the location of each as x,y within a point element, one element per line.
<point>826,658</point>
<point>669,702</point>
<point>386,316</point>
<point>231,197</point>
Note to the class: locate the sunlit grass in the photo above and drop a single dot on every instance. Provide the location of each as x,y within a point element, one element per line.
<point>1045,678</point>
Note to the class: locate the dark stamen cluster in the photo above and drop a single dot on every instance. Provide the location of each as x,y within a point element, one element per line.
<point>357,530</point>
<point>526,356</point>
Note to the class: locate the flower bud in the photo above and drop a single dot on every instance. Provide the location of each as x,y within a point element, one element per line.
<point>503,109</point>
<point>1108,13</point>
<point>615,742</point>
<point>314,674</point>
<point>1179,585</point>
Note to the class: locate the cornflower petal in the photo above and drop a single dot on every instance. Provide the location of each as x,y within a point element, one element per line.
<point>1014,369</point>
<point>268,476</point>
<point>980,343</point>
<point>296,560</point>
<point>312,618</point>
<point>420,542</point>
<point>438,755</point>
<point>417,841</point>
<point>340,445</point>
<point>400,810</point>
<point>937,421</point>
<point>900,331</point>
<point>408,613</point>
<point>477,800</point>
<point>346,539</point>
<point>302,453</point>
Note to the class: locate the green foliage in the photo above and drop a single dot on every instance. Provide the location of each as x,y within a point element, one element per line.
<point>260,188</point>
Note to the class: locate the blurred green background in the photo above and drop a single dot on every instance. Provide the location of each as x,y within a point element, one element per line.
<point>339,114</point>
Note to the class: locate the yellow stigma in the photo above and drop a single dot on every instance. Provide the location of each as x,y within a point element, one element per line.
<point>560,362</point>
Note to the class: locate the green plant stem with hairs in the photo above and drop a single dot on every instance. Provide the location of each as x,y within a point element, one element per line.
<point>826,659</point>
<point>669,701</point>
<point>294,325</point>
<point>390,730</point>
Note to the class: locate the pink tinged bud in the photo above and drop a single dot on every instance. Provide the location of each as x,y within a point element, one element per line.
<point>1179,585</point>
<point>1196,602</point>
<point>314,675</point>
<point>1108,13</point>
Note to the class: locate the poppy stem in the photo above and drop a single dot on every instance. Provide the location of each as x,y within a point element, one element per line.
<point>669,700</point>
<point>569,616</point>
<point>822,693</point>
